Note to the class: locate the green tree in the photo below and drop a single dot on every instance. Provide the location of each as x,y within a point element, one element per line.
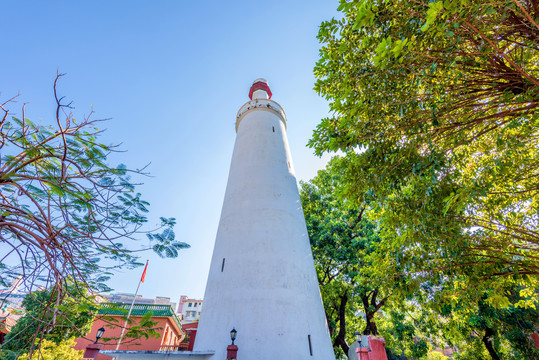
<point>405,329</point>
<point>73,317</point>
<point>482,328</point>
<point>50,350</point>
<point>433,355</point>
<point>434,104</point>
<point>473,328</point>
<point>66,215</point>
<point>341,237</point>
<point>64,211</point>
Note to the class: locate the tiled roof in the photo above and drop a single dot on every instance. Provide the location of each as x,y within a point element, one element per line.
<point>139,310</point>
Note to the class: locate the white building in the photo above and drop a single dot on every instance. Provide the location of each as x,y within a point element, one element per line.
<point>12,297</point>
<point>262,279</point>
<point>189,308</point>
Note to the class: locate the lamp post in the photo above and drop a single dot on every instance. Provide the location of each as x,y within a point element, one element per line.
<point>93,349</point>
<point>99,334</point>
<point>232,350</point>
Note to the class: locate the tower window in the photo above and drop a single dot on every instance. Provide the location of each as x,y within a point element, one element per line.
<point>310,345</point>
<point>223,265</point>
<point>273,127</point>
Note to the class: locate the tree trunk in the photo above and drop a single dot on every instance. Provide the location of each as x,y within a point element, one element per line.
<point>487,340</point>
<point>340,339</point>
<point>371,328</point>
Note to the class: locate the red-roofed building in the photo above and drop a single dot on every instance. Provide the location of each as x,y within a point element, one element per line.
<point>168,326</point>
<point>8,319</point>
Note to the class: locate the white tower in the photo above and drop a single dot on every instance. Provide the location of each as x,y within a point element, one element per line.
<point>262,279</point>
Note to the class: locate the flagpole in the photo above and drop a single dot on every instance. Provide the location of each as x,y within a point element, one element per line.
<point>132,304</point>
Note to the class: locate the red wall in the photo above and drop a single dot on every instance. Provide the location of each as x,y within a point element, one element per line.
<point>114,330</point>
<point>535,338</point>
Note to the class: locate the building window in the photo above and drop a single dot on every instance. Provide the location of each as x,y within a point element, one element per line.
<point>195,305</point>
<point>165,336</point>
<point>190,304</point>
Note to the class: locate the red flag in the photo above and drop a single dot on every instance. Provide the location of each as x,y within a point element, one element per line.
<point>144,273</point>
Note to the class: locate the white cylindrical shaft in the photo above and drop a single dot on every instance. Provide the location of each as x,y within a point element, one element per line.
<point>262,279</point>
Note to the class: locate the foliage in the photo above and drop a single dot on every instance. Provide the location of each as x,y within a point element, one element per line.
<point>50,350</point>
<point>434,355</point>
<point>472,329</point>
<point>504,333</point>
<point>64,211</point>
<point>434,105</point>
<point>405,329</point>
<point>341,237</point>
<point>73,317</point>
<point>145,327</point>
<point>345,242</point>
<point>67,217</point>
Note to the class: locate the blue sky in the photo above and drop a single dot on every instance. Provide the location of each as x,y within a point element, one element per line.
<point>171,75</point>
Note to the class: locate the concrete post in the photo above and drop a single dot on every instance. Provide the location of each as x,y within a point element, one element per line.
<point>378,348</point>
<point>231,352</point>
<point>91,351</point>
<point>362,353</point>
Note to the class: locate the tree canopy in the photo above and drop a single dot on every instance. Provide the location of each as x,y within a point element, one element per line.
<point>434,105</point>
<point>51,351</point>
<point>64,211</point>
<point>409,311</point>
<point>342,238</point>
<point>42,321</point>
<point>67,219</point>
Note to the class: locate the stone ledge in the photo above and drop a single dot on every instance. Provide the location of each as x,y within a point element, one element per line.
<point>156,355</point>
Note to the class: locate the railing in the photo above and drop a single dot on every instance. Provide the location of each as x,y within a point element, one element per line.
<point>263,104</point>
<point>141,307</point>
<point>181,347</point>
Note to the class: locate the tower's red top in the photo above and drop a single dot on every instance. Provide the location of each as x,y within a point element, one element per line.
<point>259,84</point>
